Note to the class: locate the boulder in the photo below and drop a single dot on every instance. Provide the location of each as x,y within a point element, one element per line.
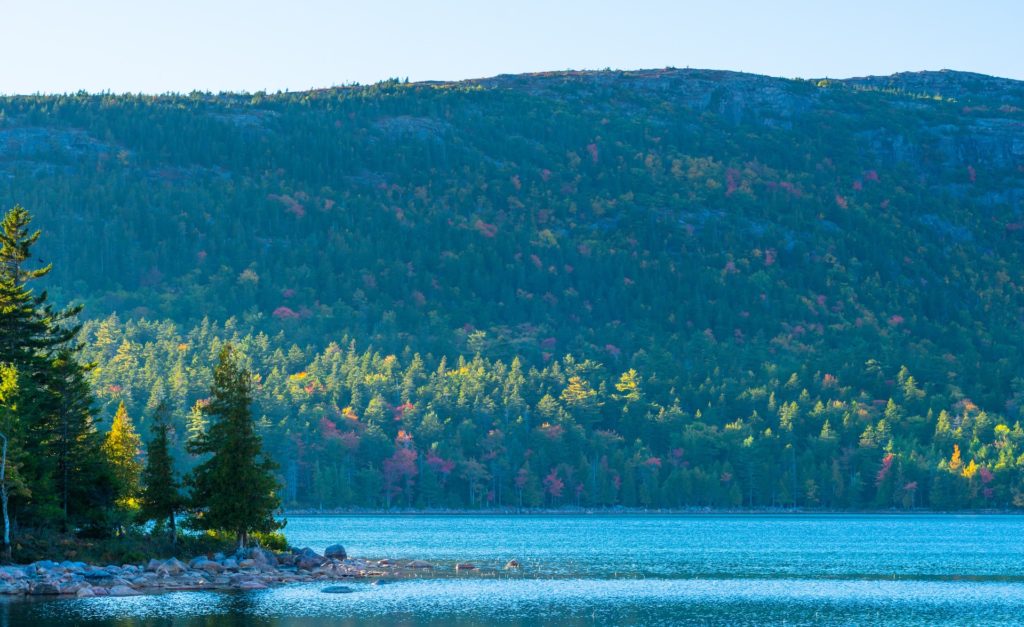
<point>512,564</point>
<point>230,564</point>
<point>419,564</point>
<point>124,591</point>
<point>209,566</point>
<point>248,563</point>
<point>85,592</point>
<point>335,552</point>
<point>308,559</point>
<point>173,566</point>
<point>152,565</point>
<point>42,565</point>
<point>337,590</point>
<point>286,559</point>
<point>262,556</point>
<point>43,588</point>
<point>100,591</point>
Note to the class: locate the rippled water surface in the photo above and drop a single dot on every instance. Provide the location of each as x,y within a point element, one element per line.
<point>644,570</point>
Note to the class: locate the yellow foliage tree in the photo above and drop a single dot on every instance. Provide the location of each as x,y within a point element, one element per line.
<point>122,447</point>
<point>955,462</point>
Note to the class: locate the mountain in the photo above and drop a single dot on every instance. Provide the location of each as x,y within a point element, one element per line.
<point>804,277</point>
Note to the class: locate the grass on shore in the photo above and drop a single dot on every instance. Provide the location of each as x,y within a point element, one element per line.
<point>135,546</point>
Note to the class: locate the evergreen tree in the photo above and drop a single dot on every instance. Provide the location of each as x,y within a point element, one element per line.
<point>235,489</point>
<point>81,476</point>
<point>161,498</point>
<point>59,443</point>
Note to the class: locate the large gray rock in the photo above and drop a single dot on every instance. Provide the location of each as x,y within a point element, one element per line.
<point>308,559</point>
<point>152,565</point>
<point>209,566</point>
<point>43,588</point>
<point>124,591</point>
<point>335,552</point>
<point>173,566</point>
<point>263,557</point>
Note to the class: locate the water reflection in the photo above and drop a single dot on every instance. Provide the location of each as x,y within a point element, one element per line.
<point>622,570</point>
<point>564,602</point>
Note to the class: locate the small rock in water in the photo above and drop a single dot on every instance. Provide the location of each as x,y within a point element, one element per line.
<point>337,590</point>
<point>459,567</point>
<point>419,564</point>
<point>512,564</point>
<point>335,552</point>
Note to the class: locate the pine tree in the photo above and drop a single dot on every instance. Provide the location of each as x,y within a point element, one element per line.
<point>235,489</point>
<point>122,448</point>
<point>161,496</point>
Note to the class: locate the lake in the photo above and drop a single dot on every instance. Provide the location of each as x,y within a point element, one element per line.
<point>623,569</point>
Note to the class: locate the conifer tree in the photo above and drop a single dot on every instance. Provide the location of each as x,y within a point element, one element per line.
<point>122,448</point>
<point>235,489</point>
<point>62,468</point>
<point>161,496</point>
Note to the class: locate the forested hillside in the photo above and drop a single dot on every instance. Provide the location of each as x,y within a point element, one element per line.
<point>665,288</point>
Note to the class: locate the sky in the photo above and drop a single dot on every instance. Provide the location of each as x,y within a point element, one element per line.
<point>154,46</point>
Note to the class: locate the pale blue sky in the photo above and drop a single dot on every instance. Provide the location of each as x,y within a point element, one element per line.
<point>157,46</point>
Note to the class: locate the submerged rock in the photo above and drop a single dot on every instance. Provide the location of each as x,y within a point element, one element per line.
<point>459,567</point>
<point>512,564</point>
<point>337,590</point>
<point>419,564</point>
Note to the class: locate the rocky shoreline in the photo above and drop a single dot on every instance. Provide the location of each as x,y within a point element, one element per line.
<point>248,569</point>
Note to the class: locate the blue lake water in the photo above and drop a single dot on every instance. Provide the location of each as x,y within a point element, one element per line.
<point>641,570</point>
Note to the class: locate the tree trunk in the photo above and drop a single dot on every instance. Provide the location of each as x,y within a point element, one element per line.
<point>3,501</point>
<point>174,531</point>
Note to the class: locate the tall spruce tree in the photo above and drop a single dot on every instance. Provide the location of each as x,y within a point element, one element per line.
<point>235,489</point>
<point>161,496</point>
<point>62,468</point>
